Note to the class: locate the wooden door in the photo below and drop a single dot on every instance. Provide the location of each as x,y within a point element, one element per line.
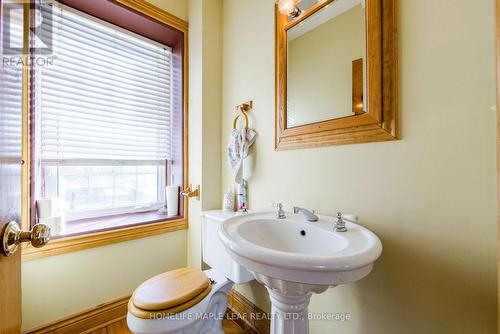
<point>11,134</point>
<point>10,267</point>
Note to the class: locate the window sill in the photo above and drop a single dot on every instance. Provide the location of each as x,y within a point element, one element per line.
<point>114,222</point>
<point>78,241</point>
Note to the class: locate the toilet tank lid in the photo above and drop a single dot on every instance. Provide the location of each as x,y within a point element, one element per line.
<point>217,215</point>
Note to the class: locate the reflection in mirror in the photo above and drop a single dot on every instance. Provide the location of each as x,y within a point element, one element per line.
<point>306,4</point>
<point>326,64</point>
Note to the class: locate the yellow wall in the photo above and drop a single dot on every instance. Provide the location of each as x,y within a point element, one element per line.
<point>431,197</point>
<point>205,115</point>
<point>62,285</point>
<point>319,77</point>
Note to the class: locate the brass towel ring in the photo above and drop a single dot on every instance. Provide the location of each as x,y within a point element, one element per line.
<point>243,109</point>
<point>245,117</point>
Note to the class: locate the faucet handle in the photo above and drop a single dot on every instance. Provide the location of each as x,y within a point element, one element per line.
<point>339,225</point>
<point>280,214</point>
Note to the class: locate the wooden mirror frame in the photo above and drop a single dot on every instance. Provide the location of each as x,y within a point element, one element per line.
<point>380,122</point>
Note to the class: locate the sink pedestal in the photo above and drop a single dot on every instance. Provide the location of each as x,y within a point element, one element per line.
<point>289,302</point>
<point>289,313</point>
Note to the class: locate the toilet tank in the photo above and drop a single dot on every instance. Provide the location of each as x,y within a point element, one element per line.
<point>214,252</point>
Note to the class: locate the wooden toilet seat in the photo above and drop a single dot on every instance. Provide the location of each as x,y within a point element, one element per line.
<point>169,293</point>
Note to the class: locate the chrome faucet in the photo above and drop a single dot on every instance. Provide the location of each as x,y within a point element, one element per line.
<point>281,213</point>
<point>310,216</point>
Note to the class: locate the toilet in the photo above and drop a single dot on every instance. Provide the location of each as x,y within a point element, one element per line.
<point>188,300</point>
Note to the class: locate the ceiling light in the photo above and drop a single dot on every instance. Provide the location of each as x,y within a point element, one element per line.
<point>289,7</point>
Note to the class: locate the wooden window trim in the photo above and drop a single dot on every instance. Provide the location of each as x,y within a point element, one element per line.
<point>100,238</point>
<point>96,239</point>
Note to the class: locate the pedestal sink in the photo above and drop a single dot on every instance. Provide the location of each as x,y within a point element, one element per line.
<point>293,258</point>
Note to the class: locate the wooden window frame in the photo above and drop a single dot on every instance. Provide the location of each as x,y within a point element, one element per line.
<point>73,243</point>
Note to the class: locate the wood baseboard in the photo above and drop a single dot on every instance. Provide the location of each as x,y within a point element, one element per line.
<point>240,310</point>
<point>248,316</point>
<point>87,321</point>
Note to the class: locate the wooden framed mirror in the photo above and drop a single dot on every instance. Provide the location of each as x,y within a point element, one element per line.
<point>336,73</point>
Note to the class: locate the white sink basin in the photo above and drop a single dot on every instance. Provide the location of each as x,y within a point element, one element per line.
<point>274,235</point>
<point>294,258</point>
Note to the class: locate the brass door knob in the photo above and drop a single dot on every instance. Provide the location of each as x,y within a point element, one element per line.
<point>39,236</point>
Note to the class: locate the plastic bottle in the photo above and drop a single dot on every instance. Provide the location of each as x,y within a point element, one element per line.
<point>242,195</point>
<point>228,204</point>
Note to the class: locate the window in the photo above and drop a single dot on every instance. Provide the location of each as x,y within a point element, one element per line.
<point>11,84</point>
<point>11,32</point>
<point>108,128</point>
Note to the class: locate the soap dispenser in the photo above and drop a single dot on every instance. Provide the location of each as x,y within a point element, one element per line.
<point>228,204</point>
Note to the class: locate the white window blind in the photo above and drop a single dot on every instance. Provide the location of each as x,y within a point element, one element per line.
<point>11,86</point>
<point>107,97</point>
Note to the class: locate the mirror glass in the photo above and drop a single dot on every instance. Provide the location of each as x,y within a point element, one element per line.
<point>326,64</point>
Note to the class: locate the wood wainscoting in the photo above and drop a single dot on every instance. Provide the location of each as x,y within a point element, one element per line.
<point>89,321</point>
<point>248,316</point>
<point>110,318</point>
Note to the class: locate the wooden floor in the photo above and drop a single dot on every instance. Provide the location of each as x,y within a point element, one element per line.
<point>120,327</point>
